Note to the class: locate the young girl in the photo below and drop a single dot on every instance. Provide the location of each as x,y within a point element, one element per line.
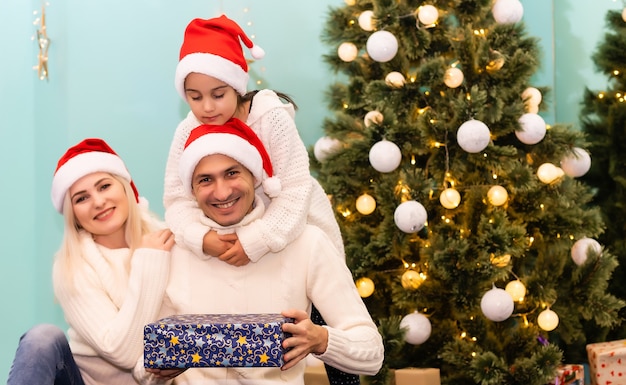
<point>109,275</point>
<point>211,77</point>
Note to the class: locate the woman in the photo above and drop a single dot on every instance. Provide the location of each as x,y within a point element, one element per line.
<point>109,275</point>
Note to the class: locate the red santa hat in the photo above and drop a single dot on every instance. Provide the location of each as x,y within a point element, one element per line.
<point>236,140</point>
<point>212,47</point>
<point>89,156</point>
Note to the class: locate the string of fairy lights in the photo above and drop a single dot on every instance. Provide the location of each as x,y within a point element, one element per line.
<point>473,136</point>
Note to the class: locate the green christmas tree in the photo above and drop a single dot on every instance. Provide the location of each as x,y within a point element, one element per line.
<point>603,119</point>
<point>472,246</point>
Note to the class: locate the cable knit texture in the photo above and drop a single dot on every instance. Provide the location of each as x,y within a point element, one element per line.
<point>115,295</point>
<point>309,270</point>
<point>301,200</point>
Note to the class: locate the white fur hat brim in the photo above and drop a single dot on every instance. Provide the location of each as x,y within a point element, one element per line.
<point>211,65</point>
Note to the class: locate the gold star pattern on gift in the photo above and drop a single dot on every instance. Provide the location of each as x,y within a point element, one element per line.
<point>174,340</point>
<point>195,358</point>
<point>242,340</point>
<point>264,358</point>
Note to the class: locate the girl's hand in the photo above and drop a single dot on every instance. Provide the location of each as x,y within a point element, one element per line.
<point>235,255</point>
<point>306,337</point>
<point>160,240</point>
<point>214,244</point>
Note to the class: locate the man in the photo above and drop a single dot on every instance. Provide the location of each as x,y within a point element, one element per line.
<point>220,167</point>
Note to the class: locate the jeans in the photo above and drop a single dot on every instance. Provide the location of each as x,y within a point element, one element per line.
<point>44,357</point>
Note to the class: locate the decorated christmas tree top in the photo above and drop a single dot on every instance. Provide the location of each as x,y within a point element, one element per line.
<point>466,229</point>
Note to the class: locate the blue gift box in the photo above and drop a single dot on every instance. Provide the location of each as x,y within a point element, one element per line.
<point>215,340</point>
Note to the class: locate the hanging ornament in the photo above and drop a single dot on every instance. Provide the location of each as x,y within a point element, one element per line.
<point>410,216</point>
<point>350,2</point>
<point>531,97</point>
<point>326,146</point>
<point>516,290</point>
<point>582,248</point>
<point>500,261</point>
<point>549,173</point>
<point>497,305</point>
<point>496,61</point>
<point>385,156</point>
<point>497,195</point>
<point>450,198</point>
<point>365,20</point>
<point>533,129</point>
<point>624,14</point>
<point>373,117</point>
<point>417,328</point>
<point>365,204</point>
<point>347,51</point>
<point>507,11</point>
<point>473,136</point>
<point>411,280</point>
<point>395,79</point>
<point>577,163</point>
<point>548,320</point>
<point>453,77</point>
<point>365,287</point>
<point>427,14</point>
<point>382,46</point>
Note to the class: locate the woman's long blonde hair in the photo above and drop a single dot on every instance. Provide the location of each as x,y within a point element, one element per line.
<point>70,252</point>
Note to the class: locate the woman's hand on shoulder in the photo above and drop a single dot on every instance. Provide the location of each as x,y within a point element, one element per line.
<point>160,240</point>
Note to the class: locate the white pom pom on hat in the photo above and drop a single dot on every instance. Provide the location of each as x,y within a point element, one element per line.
<point>89,156</point>
<point>212,47</point>
<point>233,139</point>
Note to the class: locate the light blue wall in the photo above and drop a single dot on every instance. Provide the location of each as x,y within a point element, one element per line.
<point>111,75</point>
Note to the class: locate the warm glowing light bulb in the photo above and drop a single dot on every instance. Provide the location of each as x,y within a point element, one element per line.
<point>450,198</point>
<point>365,204</point>
<point>548,320</point>
<point>516,289</point>
<point>497,195</point>
<point>365,287</point>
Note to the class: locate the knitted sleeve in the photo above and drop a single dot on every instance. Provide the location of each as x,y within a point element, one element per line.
<point>354,343</point>
<point>286,214</point>
<point>114,332</point>
<point>182,213</point>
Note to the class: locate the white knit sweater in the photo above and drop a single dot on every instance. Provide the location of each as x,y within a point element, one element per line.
<point>116,294</point>
<point>309,270</point>
<point>301,201</point>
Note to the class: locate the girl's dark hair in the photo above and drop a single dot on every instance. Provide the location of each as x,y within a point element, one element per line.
<point>248,97</point>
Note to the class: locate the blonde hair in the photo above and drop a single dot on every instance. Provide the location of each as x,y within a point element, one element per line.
<point>70,252</point>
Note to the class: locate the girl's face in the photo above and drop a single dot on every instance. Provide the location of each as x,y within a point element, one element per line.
<point>100,206</point>
<point>211,100</point>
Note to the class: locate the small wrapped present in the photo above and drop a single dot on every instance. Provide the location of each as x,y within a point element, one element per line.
<point>417,376</point>
<point>606,362</point>
<point>569,375</point>
<point>215,340</point>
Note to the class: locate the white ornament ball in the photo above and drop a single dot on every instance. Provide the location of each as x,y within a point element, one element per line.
<point>410,216</point>
<point>382,46</point>
<point>533,128</point>
<point>373,117</point>
<point>507,11</point>
<point>385,156</point>
<point>624,14</point>
<point>418,328</point>
<point>516,290</point>
<point>325,146</point>
<point>427,14</point>
<point>531,96</point>
<point>497,305</point>
<point>450,198</point>
<point>497,195</point>
<point>395,79</point>
<point>549,173</point>
<point>583,246</point>
<point>347,51</point>
<point>453,77</point>
<point>534,109</point>
<point>365,20</point>
<point>548,320</point>
<point>365,204</point>
<point>577,163</point>
<point>473,136</point>
<point>365,287</point>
